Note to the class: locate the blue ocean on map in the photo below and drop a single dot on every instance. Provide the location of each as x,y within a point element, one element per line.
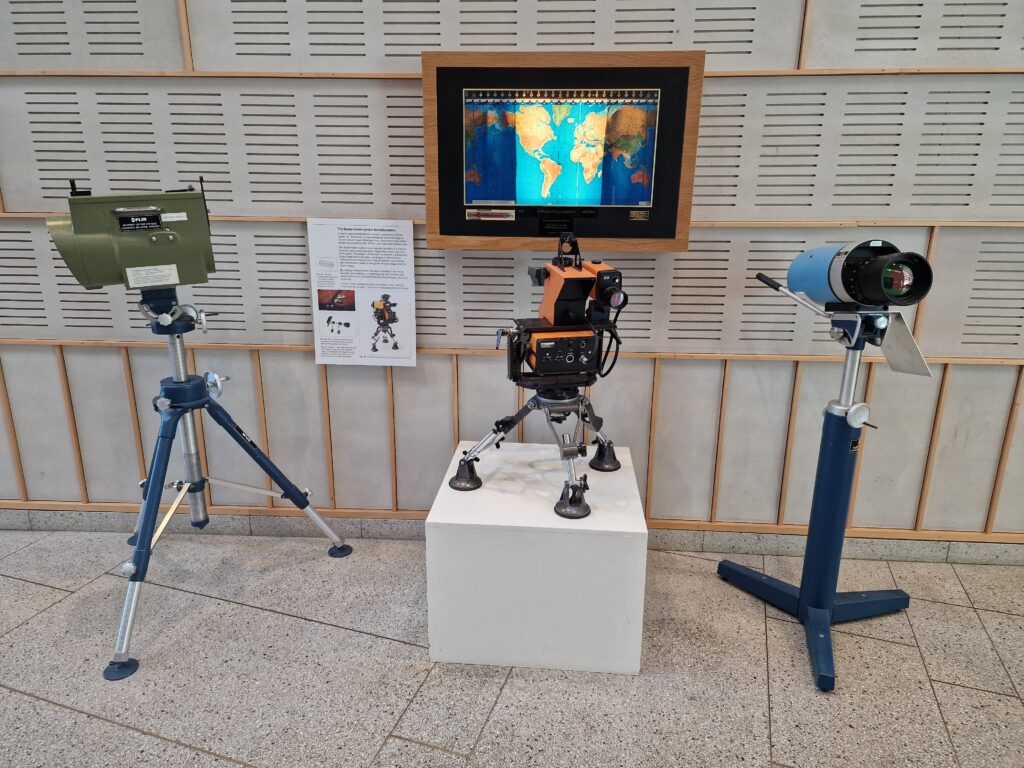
<point>546,152</point>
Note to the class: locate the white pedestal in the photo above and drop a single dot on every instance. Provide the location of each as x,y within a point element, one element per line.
<point>509,582</point>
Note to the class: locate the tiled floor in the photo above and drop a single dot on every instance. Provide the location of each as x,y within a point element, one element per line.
<point>264,652</point>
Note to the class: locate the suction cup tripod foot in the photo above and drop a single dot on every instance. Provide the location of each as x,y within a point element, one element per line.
<point>343,551</point>
<point>465,477</point>
<point>374,348</point>
<point>572,505</point>
<point>395,345</point>
<point>604,458</point>
<point>119,670</point>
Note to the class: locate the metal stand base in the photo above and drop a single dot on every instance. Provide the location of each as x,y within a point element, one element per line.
<point>848,606</point>
<point>119,670</point>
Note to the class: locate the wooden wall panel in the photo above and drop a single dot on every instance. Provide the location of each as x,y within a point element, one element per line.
<point>893,457</point>
<point>623,400</point>
<point>360,436</point>
<point>226,460</point>
<point>686,429</point>
<point>754,441</point>
<point>105,431</point>
<point>47,453</point>
<point>294,422</point>
<point>423,429</point>
<point>970,437</point>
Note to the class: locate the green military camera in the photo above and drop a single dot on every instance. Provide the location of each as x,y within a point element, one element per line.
<point>149,241</point>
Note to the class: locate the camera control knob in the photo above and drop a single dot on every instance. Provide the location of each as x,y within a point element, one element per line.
<point>858,414</point>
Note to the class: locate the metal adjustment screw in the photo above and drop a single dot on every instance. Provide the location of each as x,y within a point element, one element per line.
<point>881,322</point>
<point>162,403</point>
<point>128,569</point>
<point>858,415</point>
<point>835,333</point>
<point>215,383</point>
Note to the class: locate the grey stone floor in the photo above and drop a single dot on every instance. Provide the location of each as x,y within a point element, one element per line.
<point>261,651</point>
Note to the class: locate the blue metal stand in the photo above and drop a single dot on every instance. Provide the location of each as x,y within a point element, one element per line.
<point>816,603</point>
<point>179,397</point>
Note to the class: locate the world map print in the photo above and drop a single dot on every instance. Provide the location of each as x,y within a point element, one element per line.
<point>560,149</point>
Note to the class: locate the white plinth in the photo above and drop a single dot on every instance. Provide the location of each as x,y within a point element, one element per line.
<point>509,582</point>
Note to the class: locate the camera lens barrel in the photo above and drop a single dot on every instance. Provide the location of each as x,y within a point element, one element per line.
<point>872,273</point>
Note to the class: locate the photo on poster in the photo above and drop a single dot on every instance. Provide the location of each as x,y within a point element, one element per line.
<point>363,291</point>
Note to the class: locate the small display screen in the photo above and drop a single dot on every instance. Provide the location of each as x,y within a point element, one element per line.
<point>560,147</point>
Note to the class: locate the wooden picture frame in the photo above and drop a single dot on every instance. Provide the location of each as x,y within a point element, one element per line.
<point>432,61</point>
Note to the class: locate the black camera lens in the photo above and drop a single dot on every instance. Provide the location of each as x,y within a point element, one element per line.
<point>878,274</point>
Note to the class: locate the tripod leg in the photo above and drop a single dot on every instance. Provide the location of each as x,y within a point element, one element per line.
<point>571,504</point>
<point>290,491</point>
<point>465,477</point>
<point>122,665</point>
<point>190,441</point>
<point>604,459</point>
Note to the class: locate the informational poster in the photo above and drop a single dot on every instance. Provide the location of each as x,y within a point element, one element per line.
<point>364,292</point>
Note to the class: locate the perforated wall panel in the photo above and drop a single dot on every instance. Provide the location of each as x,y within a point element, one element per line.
<point>90,34</point>
<point>897,33</point>
<point>383,36</point>
<point>976,307</point>
<point>792,148</point>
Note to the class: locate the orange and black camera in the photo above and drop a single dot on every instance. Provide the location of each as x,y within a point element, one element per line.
<point>570,343</point>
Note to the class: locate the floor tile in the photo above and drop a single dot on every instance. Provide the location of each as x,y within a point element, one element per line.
<point>679,541</point>
<point>754,543</point>
<point>987,729</point>
<point>994,587</point>
<point>450,709</point>
<point>930,581</point>
<point>67,560</point>
<point>895,549</point>
<point>81,520</point>
<point>699,699</point>
<point>393,529</point>
<point>955,646</point>
<point>256,686</point>
<point>403,754</point>
<point>751,561</point>
<point>302,526</point>
<point>21,600</point>
<point>881,713</point>
<point>1007,635</point>
<point>12,541</point>
<point>37,733</point>
<point>853,575</point>
<point>380,588</point>
<point>15,520</point>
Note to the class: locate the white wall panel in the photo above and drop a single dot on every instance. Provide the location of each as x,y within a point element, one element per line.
<point>41,421</point>
<point>1010,504</point>
<point>485,395</point>
<point>226,460</point>
<point>623,400</point>
<point>100,397</point>
<point>291,391</point>
<point>977,403</point>
<point>90,34</point>
<point>819,383</point>
<point>894,456</point>
<point>423,429</point>
<point>976,307</point>
<point>685,436</point>
<point>8,476</point>
<point>380,36</point>
<point>895,33</point>
<point>754,441</point>
<point>360,436</point>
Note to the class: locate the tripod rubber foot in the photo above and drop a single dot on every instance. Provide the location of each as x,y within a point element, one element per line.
<point>604,459</point>
<point>201,523</point>
<point>119,670</point>
<point>465,477</point>
<point>343,551</point>
<point>133,540</point>
<point>572,511</point>
<point>373,349</point>
<point>395,345</point>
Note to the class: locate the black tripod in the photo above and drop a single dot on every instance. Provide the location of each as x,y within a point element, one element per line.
<point>179,397</point>
<point>557,405</point>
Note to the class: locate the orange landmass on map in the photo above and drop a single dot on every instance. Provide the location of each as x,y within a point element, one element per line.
<point>641,177</point>
<point>472,175</point>
<point>473,118</point>
<point>628,120</point>
<point>550,169</point>
<point>533,127</point>
<point>589,148</point>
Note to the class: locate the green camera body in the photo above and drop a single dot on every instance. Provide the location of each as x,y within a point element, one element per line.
<point>149,241</point>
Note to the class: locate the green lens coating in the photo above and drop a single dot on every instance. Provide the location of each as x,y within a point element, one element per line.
<point>897,280</point>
